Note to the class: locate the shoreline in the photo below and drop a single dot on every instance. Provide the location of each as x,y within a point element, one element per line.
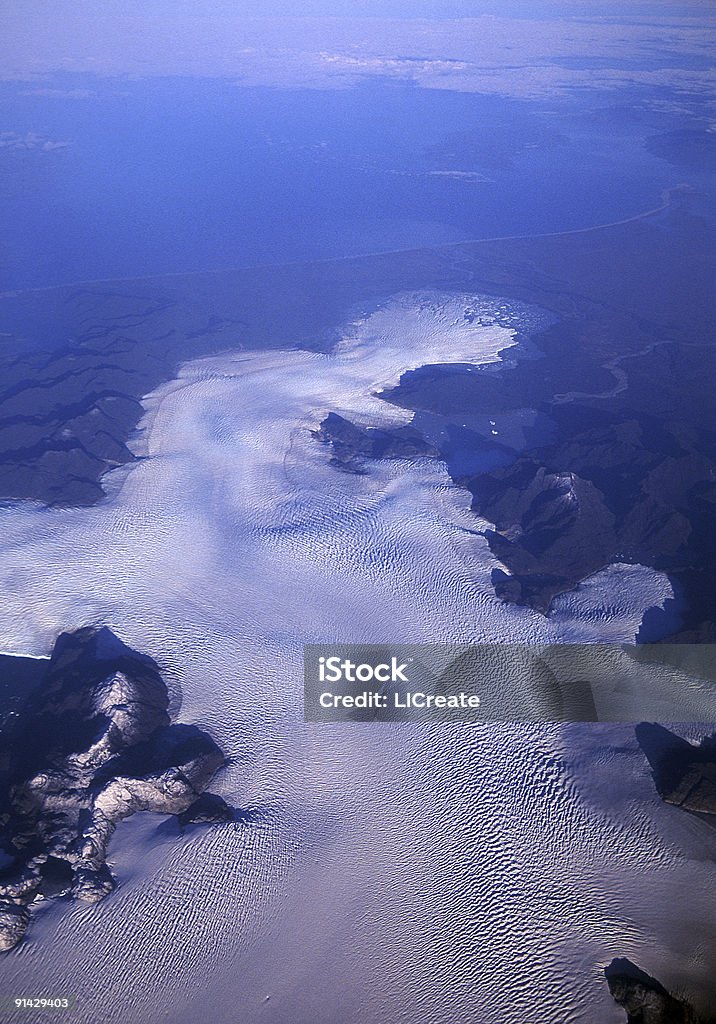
<point>666,197</point>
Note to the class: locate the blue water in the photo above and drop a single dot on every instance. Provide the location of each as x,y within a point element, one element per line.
<point>178,175</point>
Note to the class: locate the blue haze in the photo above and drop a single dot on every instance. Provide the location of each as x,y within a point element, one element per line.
<point>176,175</point>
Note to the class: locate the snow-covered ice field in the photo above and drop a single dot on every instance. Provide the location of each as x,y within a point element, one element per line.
<point>404,873</point>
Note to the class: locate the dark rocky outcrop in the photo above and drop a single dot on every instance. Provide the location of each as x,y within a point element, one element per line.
<point>613,492</point>
<point>645,1000</point>
<point>351,443</point>
<point>91,745</point>
<point>207,809</point>
<point>684,774</point>
<point>552,529</point>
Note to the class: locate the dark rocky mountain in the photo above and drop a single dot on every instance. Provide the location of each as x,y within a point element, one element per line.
<point>684,774</point>
<point>91,744</point>
<point>352,444</point>
<point>645,1000</point>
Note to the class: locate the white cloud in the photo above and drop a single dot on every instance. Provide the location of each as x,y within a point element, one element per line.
<point>506,55</point>
<point>30,140</point>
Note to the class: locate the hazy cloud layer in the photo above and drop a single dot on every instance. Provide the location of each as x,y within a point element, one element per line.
<point>528,56</point>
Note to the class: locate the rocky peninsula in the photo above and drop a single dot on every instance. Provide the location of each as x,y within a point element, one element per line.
<point>91,744</point>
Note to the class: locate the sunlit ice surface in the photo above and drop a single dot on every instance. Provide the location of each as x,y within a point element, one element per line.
<point>394,872</point>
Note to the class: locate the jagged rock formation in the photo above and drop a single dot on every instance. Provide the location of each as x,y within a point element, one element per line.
<point>208,809</point>
<point>551,529</point>
<point>684,774</point>
<point>645,1000</point>
<point>90,746</point>
<point>351,443</point>
<point>555,527</point>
